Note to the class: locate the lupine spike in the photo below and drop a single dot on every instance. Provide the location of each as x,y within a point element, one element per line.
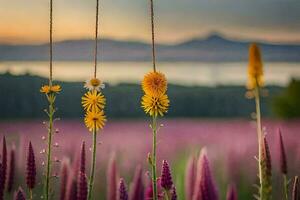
<point>82,187</point>
<point>123,195</point>
<point>72,189</point>
<point>112,179</point>
<point>204,188</point>
<point>173,193</point>
<point>31,168</point>
<point>283,161</point>
<point>266,192</point>
<point>1,182</point>
<point>295,195</point>
<point>166,177</point>
<point>82,158</point>
<point>20,195</point>
<point>64,180</point>
<point>190,178</point>
<point>4,160</point>
<point>11,172</point>
<point>231,193</point>
<point>137,188</point>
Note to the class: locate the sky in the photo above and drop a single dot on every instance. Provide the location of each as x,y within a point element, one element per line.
<point>26,21</point>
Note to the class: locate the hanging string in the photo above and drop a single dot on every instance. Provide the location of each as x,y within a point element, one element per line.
<point>50,42</point>
<point>153,38</point>
<point>96,39</point>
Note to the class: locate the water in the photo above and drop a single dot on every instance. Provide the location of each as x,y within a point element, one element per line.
<point>183,73</point>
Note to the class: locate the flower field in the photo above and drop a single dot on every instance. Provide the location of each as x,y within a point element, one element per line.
<point>231,146</point>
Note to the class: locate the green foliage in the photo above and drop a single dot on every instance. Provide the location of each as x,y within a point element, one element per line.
<point>287,104</point>
<point>20,98</point>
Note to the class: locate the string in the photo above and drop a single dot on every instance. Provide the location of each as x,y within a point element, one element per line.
<point>153,37</point>
<point>50,42</point>
<point>96,39</point>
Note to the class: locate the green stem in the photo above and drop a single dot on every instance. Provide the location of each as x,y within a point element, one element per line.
<point>285,187</point>
<point>259,137</point>
<point>30,194</point>
<point>92,173</point>
<point>154,144</point>
<point>50,133</point>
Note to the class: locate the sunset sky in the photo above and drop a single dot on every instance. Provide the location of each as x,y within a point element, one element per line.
<point>26,21</point>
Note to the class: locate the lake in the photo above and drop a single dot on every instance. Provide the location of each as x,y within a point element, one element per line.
<point>183,73</point>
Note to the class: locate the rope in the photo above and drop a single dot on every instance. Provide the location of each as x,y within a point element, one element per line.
<point>153,37</point>
<point>96,39</point>
<point>50,42</point>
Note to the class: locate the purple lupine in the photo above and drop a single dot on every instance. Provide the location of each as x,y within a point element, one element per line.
<point>205,188</point>
<point>137,187</point>
<point>231,193</point>
<point>166,177</point>
<point>2,184</point>
<point>20,195</point>
<point>72,189</point>
<point>31,168</point>
<point>82,188</point>
<point>112,179</point>
<point>123,195</point>
<point>82,158</point>
<point>4,160</point>
<point>11,172</point>
<point>295,195</point>
<point>64,181</point>
<point>173,193</point>
<point>190,178</point>
<point>283,161</point>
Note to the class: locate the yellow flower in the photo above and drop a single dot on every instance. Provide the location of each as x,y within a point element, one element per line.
<point>45,89</point>
<point>94,119</point>
<point>154,84</point>
<point>155,105</point>
<point>255,68</point>
<point>94,84</point>
<point>55,88</point>
<point>93,100</point>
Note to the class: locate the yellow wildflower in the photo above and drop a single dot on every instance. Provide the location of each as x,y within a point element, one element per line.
<point>45,89</point>
<point>94,84</point>
<point>255,68</point>
<point>94,119</point>
<point>93,100</point>
<point>155,105</point>
<point>154,84</point>
<point>55,88</point>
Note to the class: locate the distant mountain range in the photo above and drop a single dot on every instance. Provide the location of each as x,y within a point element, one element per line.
<point>214,48</point>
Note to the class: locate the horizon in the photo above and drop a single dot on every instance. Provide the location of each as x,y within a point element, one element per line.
<point>121,20</point>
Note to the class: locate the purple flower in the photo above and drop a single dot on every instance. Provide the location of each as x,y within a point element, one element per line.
<point>82,158</point>
<point>11,172</point>
<point>137,187</point>
<point>190,178</point>
<point>204,187</point>
<point>231,193</point>
<point>19,195</point>
<point>112,179</point>
<point>173,193</point>
<point>4,161</point>
<point>295,195</point>
<point>166,177</point>
<point>123,195</point>
<point>64,181</point>
<point>31,169</point>
<point>82,187</point>
<point>283,162</point>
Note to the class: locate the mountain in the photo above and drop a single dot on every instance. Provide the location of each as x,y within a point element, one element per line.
<point>214,48</point>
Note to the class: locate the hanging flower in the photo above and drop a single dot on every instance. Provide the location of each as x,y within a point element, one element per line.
<point>47,89</point>
<point>255,68</point>
<point>94,84</point>
<point>55,88</point>
<point>94,119</point>
<point>93,100</point>
<point>155,105</point>
<point>154,84</point>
